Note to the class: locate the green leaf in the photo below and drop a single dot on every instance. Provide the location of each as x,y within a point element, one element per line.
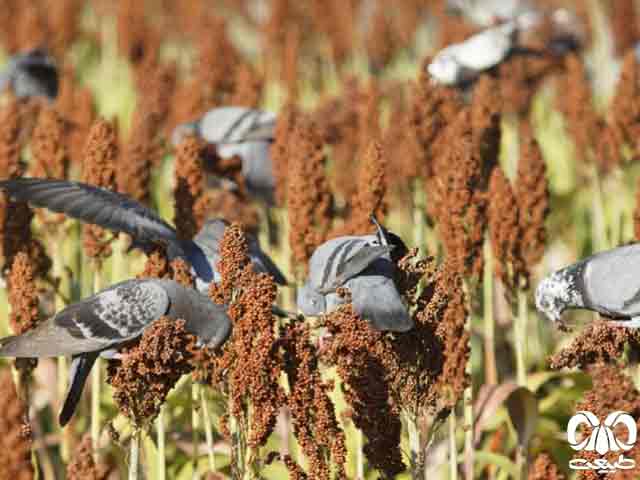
<point>484,458</point>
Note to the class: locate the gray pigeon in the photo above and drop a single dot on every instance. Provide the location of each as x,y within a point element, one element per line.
<point>607,283</point>
<point>486,12</point>
<point>120,213</point>
<point>100,324</point>
<point>240,131</point>
<point>31,74</point>
<point>461,63</point>
<point>362,264</point>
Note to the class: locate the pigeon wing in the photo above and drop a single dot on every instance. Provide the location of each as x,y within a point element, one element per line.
<point>106,208</point>
<point>113,316</point>
<point>237,125</point>
<point>611,282</point>
<point>356,264</point>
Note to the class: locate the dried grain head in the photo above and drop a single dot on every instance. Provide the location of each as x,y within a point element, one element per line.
<point>83,466</point>
<point>315,425</point>
<point>249,365</point>
<point>505,232</point>
<point>281,147</point>
<point>359,354</point>
<point>231,206</point>
<point>189,186</point>
<point>150,369</point>
<point>99,168</point>
<point>381,38</point>
<point>47,145</point>
<point>544,468</point>
<point>596,344</point>
<point>624,25</point>
<point>23,295</point>
<point>15,451</point>
<point>309,199</point>
<point>247,88</point>
<point>623,118</point>
<point>532,198</point>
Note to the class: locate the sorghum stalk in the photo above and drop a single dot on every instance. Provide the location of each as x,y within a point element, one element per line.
<point>208,431</point>
<point>414,445</point>
<point>359,455</point>
<point>195,425</point>
<point>491,371</point>
<point>453,449</point>
<point>134,458</point>
<point>521,337</point>
<point>162,467</point>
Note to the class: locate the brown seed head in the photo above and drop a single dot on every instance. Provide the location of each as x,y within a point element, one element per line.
<point>280,149</point>
<point>544,468</point>
<point>189,188</point>
<point>23,295</point>
<point>83,466</point>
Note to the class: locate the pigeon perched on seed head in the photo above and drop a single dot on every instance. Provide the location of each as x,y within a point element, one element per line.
<point>100,324</point>
<point>364,266</point>
<point>117,212</point>
<point>245,132</point>
<point>607,283</point>
<point>31,74</point>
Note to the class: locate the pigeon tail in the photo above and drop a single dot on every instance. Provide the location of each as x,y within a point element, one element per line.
<point>80,367</point>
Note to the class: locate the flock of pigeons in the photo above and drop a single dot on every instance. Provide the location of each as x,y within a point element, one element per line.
<point>365,265</point>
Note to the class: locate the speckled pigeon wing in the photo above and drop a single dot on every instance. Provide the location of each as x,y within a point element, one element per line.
<point>99,206</point>
<point>611,280</point>
<point>115,315</point>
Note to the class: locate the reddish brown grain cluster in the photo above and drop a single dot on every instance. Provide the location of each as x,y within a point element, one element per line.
<point>612,391</point>
<point>314,421</point>
<point>47,145</point>
<point>532,198</point>
<point>248,367</point>
<point>23,295</point>
<point>280,149</point>
<point>15,448</point>
<point>99,168</point>
<point>308,196</point>
<point>356,350</point>
<point>149,370</point>
<point>624,25</point>
<point>83,466</point>
<point>189,188</point>
<point>544,468</point>
<point>372,188</point>
<point>623,125</point>
<point>598,343</point>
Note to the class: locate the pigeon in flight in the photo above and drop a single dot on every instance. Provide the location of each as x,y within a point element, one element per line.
<point>461,63</point>
<point>607,283</point>
<point>120,213</point>
<point>31,74</point>
<point>100,324</point>
<point>245,132</point>
<point>365,265</point>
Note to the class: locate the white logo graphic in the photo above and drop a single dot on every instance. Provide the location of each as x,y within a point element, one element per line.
<point>602,441</point>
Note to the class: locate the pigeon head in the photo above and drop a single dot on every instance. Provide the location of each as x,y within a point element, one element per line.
<point>444,69</point>
<point>310,302</point>
<point>182,131</point>
<point>549,297</point>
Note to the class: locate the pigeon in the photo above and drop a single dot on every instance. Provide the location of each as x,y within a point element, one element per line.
<point>245,132</point>
<point>31,74</point>
<point>364,265</point>
<point>461,63</point>
<point>607,283</point>
<point>117,212</point>
<point>485,13</point>
<point>101,324</point>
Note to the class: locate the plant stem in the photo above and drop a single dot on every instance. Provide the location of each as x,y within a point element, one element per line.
<point>491,371</point>
<point>134,454</point>
<point>359,455</point>
<point>599,224</point>
<point>162,467</point>
<point>453,448</point>
<point>195,425</point>
<point>95,385</point>
<point>208,431</point>
<point>521,338</point>
<point>414,447</point>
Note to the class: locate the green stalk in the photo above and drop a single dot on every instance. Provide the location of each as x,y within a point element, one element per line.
<point>490,368</point>
<point>599,224</point>
<point>414,446</point>
<point>162,467</point>
<point>453,448</point>
<point>359,455</point>
<point>521,338</point>
<point>134,459</point>
<point>208,431</point>
<point>195,425</point>
<point>95,384</point>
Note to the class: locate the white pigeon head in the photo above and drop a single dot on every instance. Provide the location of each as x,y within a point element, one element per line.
<point>444,69</point>
<point>552,296</point>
